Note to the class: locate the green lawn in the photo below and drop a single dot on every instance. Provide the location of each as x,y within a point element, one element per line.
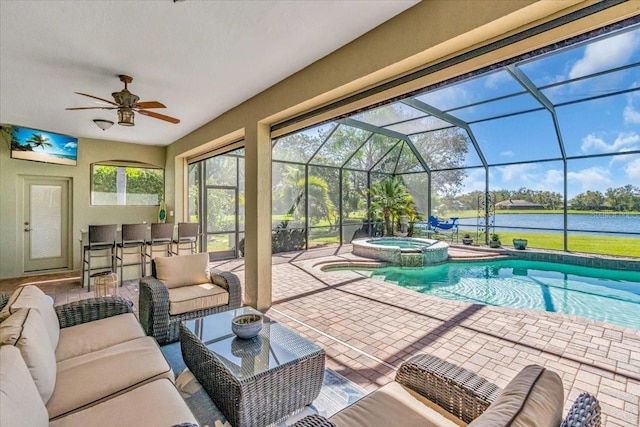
<point>607,245</point>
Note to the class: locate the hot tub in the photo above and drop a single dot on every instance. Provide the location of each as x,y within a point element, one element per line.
<point>404,251</point>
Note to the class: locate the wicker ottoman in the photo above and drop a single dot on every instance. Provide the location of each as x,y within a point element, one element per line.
<point>253,382</point>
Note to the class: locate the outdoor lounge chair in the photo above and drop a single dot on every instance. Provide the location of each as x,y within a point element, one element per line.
<point>439,226</point>
<point>429,392</point>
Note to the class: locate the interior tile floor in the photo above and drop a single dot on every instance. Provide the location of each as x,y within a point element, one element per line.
<point>368,327</point>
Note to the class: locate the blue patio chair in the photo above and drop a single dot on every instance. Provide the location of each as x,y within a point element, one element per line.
<point>446,227</point>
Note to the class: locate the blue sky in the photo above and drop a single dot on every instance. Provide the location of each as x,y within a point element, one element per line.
<point>606,125</point>
<point>61,144</point>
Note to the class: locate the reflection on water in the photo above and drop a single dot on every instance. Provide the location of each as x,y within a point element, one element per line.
<point>596,222</point>
<point>606,295</point>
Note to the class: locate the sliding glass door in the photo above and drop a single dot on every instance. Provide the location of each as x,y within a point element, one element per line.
<point>216,196</point>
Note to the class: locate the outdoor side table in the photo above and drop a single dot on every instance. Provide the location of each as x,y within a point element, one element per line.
<point>105,284</point>
<point>254,382</point>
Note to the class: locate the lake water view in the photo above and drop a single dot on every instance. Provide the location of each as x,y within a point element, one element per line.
<point>601,222</point>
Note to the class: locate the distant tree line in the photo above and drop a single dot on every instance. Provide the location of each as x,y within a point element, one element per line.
<point>621,199</point>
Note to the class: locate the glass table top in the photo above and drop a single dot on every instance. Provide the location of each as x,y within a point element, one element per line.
<point>244,358</point>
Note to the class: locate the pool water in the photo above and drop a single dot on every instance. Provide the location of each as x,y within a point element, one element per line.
<point>606,295</point>
<point>399,243</point>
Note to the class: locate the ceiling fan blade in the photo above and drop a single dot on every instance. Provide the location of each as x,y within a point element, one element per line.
<point>149,104</point>
<point>99,99</point>
<point>159,116</point>
<point>91,108</point>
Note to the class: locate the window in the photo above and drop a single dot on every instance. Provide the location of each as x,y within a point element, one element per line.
<point>122,185</point>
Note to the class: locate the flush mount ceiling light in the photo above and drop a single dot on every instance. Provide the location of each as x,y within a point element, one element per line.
<point>103,124</point>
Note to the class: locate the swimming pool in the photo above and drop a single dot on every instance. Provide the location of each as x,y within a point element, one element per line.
<point>606,295</point>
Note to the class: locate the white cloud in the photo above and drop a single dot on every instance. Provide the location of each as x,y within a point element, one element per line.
<point>447,97</point>
<point>516,172</point>
<point>632,171</point>
<point>70,145</point>
<point>474,180</point>
<point>507,153</point>
<point>631,115</point>
<point>553,178</point>
<point>607,53</point>
<point>595,178</point>
<point>624,142</point>
<point>495,80</point>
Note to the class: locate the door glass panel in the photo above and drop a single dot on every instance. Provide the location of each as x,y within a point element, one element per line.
<point>46,221</point>
<point>221,210</point>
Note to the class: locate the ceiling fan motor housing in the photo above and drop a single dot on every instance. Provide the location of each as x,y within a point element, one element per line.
<point>125,98</point>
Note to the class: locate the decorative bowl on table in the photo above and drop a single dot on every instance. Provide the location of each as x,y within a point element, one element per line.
<point>246,326</point>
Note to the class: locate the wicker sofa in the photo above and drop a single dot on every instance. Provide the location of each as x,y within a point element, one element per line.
<point>183,288</point>
<point>83,363</point>
<point>430,392</point>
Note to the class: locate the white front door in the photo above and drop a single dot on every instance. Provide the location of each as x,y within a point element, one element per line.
<point>45,223</point>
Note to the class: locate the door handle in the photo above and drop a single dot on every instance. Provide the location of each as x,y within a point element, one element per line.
<point>28,229</point>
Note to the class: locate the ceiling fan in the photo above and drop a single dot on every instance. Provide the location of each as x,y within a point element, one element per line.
<point>127,104</point>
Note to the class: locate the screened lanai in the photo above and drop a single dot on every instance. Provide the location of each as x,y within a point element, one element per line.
<point>544,147</point>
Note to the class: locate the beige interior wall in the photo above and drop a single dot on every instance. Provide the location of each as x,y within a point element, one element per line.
<point>89,151</point>
<point>425,34</point>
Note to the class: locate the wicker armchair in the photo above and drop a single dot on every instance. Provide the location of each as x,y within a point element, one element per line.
<point>463,394</point>
<point>153,308</point>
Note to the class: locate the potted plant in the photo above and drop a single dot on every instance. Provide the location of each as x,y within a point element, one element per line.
<point>467,240</point>
<point>520,244</point>
<point>495,241</point>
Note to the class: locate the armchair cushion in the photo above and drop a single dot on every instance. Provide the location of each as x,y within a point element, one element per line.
<point>197,297</point>
<point>25,330</point>
<point>97,335</point>
<point>535,397</point>
<point>31,296</point>
<point>183,270</point>
<point>20,402</point>
<point>392,403</point>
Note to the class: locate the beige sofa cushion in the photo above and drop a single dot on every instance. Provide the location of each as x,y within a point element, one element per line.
<point>90,378</point>
<point>25,330</point>
<point>20,402</point>
<point>183,270</point>
<point>157,403</point>
<point>394,405</point>
<point>196,297</point>
<point>534,398</point>
<point>32,297</point>
<point>93,336</point>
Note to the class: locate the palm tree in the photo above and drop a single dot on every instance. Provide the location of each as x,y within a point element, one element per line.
<point>39,141</point>
<point>392,198</point>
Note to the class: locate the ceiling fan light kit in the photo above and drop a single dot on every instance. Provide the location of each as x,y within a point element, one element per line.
<point>125,117</point>
<point>103,124</point>
<point>126,103</point>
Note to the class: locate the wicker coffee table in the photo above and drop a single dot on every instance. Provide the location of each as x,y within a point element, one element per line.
<point>253,382</point>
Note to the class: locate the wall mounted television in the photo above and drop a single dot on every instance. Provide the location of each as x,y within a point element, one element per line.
<point>42,146</point>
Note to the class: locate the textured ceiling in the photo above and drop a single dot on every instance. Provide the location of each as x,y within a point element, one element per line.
<point>199,58</point>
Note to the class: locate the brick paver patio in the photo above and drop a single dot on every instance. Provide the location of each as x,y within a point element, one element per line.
<point>368,327</point>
